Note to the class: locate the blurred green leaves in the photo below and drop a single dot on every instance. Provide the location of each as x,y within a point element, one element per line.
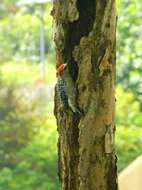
<point>28,146</point>
<point>129,43</point>
<point>127,109</point>
<point>129,80</point>
<point>19,35</point>
<point>129,128</point>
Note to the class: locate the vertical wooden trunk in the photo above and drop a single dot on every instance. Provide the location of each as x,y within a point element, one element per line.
<point>85,40</point>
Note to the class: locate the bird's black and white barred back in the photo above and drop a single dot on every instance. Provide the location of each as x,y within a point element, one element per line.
<point>66,88</point>
<point>61,90</point>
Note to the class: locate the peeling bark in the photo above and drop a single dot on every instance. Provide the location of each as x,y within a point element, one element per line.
<point>85,40</point>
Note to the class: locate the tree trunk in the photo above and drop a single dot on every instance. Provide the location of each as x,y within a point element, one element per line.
<point>85,39</point>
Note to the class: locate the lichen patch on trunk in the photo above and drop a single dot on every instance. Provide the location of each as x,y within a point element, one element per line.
<point>73,13</point>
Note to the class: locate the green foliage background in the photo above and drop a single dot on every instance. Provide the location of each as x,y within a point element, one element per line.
<point>28,146</point>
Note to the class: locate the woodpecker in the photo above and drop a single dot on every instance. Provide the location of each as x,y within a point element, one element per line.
<point>66,88</point>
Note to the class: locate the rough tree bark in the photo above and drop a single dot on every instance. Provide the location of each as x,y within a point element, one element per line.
<point>85,39</point>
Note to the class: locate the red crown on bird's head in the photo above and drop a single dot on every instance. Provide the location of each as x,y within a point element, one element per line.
<point>60,69</point>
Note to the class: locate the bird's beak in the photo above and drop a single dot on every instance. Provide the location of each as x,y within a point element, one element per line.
<point>65,65</point>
